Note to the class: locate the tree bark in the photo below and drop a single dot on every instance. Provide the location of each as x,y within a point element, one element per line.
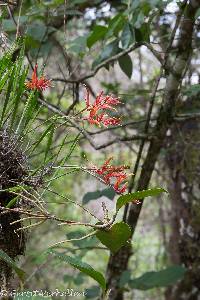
<point>183,161</point>
<point>164,121</point>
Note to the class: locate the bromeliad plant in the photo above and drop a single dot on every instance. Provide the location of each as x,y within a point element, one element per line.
<point>26,135</point>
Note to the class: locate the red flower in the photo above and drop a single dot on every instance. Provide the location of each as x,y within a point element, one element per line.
<point>39,84</point>
<point>111,121</point>
<point>96,110</point>
<point>109,172</point>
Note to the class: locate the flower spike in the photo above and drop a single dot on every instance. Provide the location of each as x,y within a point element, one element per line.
<point>97,110</point>
<point>36,83</point>
<point>117,173</point>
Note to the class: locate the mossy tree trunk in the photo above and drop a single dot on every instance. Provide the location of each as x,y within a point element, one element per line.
<point>183,161</point>
<point>13,171</point>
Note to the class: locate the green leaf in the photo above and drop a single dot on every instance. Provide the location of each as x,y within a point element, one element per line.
<point>97,34</point>
<point>115,25</point>
<point>115,237</point>
<point>78,45</point>
<point>12,202</point>
<point>93,292</point>
<point>192,90</point>
<point>3,81</point>
<point>108,192</point>
<point>37,31</point>
<point>17,99</point>
<point>83,267</point>
<point>140,20</point>
<point>128,36</point>
<point>11,263</point>
<point>49,142</point>
<point>8,94</point>
<point>89,242</point>
<point>142,34</point>
<point>28,111</point>
<point>162,278</point>
<point>126,65</point>
<point>124,278</point>
<point>122,200</point>
<point>110,50</point>
<point>48,131</point>
<point>197,13</point>
<point>79,279</point>
<point>68,278</point>
<point>8,25</point>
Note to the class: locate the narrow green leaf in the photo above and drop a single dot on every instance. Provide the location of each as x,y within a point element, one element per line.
<point>126,65</point>
<point>19,92</point>
<point>83,267</point>
<point>45,133</point>
<point>11,263</point>
<point>73,146</point>
<point>162,278</point>
<point>8,93</point>
<point>12,202</point>
<point>3,81</point>
<point>29,107</point>
<point>115,237</point>
<point>49,142</point>
<point>122,200</point>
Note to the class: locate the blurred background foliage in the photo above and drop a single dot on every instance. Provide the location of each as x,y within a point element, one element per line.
<point>73,41</point>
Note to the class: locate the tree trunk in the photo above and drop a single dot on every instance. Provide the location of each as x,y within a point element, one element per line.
<point>183,161</point>
<point>165,118</point>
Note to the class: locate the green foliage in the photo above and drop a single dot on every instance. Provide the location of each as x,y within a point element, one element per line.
<point>78,46</point>
<point>76,234</point>
<point>92,292</point>
<point>162,278</point>
<point>127,36</point>
<point>115,25</point>
<point>41,141</point>
<point>108,51</point>
<point>143,33</point>
<point>126,65</point>
<point>192,91</point>
<point>124,199</point>
<point>97,34</point>
<point>83,267</point>
<point>11,263</point>
<point>125,278</point>
<point>115,237</point>
<point>108,192</point>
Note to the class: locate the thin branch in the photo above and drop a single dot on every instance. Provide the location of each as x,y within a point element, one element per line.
<point>56,110</point>
<point>112,59</point>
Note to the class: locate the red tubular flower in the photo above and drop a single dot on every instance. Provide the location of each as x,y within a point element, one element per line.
<point>101,103</point>
<point>111,121</point>
<point>109,172</point>
<point>39,84</point>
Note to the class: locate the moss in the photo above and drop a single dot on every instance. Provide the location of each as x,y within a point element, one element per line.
<point>13,171</point>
